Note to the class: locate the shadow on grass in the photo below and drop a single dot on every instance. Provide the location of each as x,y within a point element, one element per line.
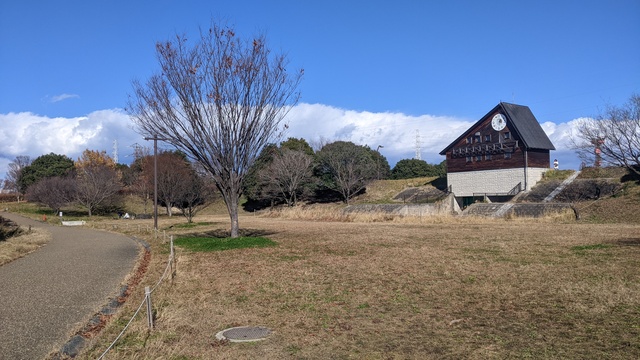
<point>192,225</point>
<point>222,234</point>
<point>628,242</point>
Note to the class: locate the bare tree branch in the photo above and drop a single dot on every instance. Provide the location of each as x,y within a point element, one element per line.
<point>613,137</point>
<point>97,186</point>
<point>13,175</point>
<point>287,173</point>
<point>220,101</point>
<point>349,166</point>
<point>54,192</point>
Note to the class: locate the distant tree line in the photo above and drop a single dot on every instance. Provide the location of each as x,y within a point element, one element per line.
<point>337,171</point>
<point>283,174</point>
<point>97,184</point>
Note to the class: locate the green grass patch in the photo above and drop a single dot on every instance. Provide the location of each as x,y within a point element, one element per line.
<point>590,247</point>
<point>204,244</point>
<point>191,225</point>
<point>557,174</point>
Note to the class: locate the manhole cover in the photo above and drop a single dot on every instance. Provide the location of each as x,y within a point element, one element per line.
<point>244,333</point>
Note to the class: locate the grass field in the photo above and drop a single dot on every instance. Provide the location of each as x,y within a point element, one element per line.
<point>438,289</point>
<point>375,286</point>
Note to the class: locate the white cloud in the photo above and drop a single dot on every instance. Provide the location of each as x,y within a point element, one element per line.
<point>35,135</point>
<point>61,97</point>
<point>397,132</point>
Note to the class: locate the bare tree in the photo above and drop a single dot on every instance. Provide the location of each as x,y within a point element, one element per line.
<point>13,175</point>
<point>613,137</point>
<point>97,187</point>
<point>98,181</point>
<point>142,174</point>
<point>173,177</point>
<point>346,167</point>
<point>197,194</point>
<point>220,101</point>
<point>54,192</point>
<point>287,173</point>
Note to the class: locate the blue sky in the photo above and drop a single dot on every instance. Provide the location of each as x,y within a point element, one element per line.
<point>376,72</point>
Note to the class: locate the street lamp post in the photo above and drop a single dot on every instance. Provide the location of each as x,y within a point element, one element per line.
<point>155,139</point>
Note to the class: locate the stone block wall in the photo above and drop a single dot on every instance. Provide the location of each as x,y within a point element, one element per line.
<point>492,181</point>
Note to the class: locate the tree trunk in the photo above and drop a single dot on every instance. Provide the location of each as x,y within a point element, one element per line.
<point>232,206</point>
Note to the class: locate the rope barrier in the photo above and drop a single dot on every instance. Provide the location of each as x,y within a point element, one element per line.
<point>123,330</point>
<point>147,300</point>
<point>166,270</point>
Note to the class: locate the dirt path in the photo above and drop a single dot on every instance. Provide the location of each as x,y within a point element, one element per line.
<point>49,293</point>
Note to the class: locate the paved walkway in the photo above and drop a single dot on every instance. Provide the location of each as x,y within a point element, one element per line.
<point>48,294</point>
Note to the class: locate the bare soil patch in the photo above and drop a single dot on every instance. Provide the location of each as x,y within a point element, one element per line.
<point>462,288</point>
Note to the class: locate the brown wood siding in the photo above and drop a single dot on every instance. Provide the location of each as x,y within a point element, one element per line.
<point>538,158</point>
<point>497,146</point>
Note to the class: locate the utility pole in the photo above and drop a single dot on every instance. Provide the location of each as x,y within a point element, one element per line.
<point>155,139</point>
<point>378,160</point>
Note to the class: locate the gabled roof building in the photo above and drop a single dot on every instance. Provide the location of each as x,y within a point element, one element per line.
<point>502,154</point>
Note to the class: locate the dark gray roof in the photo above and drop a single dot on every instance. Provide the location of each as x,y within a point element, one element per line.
<point>522,122</point>
<point>527,126</point>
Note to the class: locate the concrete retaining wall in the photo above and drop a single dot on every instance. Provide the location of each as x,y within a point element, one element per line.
<point>518,210</point>
<point>447,206</point>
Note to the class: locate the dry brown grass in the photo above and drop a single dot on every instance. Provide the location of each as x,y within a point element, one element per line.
<point>385,190</point>
<point>461,288</point>
<point>623,209</point>
<point>19,246</point>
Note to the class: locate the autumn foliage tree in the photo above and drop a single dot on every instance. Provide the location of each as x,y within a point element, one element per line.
<point>98,182</point>
<point>219,100</point>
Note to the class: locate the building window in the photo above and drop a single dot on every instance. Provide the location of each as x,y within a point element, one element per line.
<point>507,155</point>
<point>478,157</point>
<point>487,156</point>
<point>469,140</point>
<point>476,138</point>
<point>487,138</point>
<point>468,158</point>
<point>507,135</point>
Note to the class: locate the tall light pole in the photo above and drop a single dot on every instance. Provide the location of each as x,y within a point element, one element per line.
<point>378,160</point>
<point>155,139</point>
